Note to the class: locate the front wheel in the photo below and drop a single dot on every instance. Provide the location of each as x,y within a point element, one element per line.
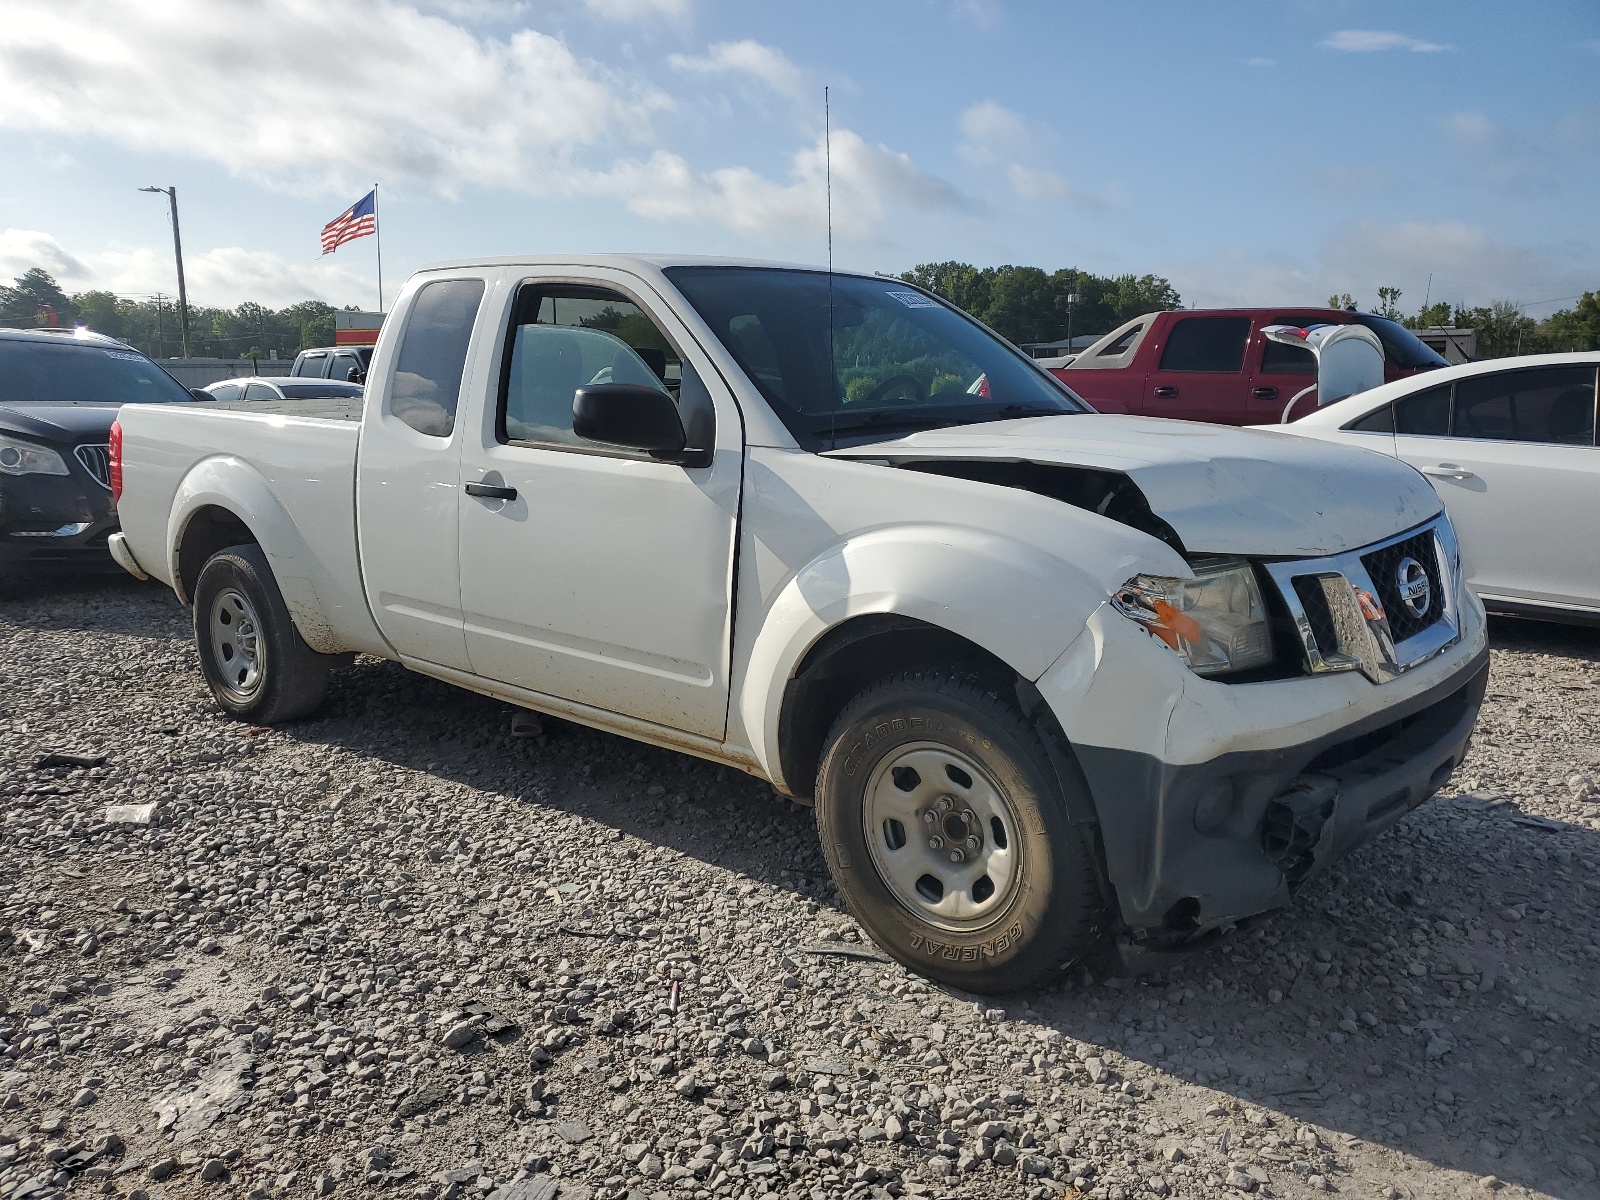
<point>943,825</point>
<point>259,668</point>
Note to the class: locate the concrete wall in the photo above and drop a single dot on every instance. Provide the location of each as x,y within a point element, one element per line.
<point>198,372</point>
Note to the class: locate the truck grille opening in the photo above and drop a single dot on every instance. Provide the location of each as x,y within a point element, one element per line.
<point>1384,567</point>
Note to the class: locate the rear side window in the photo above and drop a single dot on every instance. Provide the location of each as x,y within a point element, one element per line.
<point>1119,347</point>
<point>1379,420</point>
<point>1213,345</point>
<point>1548,404</point>
<point>433,355</point>
<point>224,392</point>
<point>1427,414</point>
<point>259,391</point>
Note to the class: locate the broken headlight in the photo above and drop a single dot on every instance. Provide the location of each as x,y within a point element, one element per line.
<point>1216,622</point>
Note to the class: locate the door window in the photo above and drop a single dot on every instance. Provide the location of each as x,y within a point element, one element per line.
<point>1206,344</point>
<point>259,391</point>
<point>312,364</point>
<point>1547,404</point>
<point>563,338</point>
<point>343,364</point>
<point>1426,414</point>
<point>433,355</point>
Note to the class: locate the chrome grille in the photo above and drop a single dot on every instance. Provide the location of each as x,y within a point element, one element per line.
<point>1350,615</point>
<point>97,461</point>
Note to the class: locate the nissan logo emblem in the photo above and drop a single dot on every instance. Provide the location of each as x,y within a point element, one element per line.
<point>1415,590</point>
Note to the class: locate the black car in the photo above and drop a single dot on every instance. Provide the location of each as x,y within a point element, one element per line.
<point>59,394</point>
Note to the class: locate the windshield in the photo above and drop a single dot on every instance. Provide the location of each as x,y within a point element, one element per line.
<point>31,372</point>
<point>900,360</point>
<point>1400,346</point>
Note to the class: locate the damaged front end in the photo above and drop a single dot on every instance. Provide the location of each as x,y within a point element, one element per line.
<point>1209,845</point>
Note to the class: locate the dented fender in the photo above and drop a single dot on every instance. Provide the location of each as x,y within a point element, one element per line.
<point>1016,602</point>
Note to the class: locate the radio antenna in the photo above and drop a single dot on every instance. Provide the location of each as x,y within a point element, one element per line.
<point>827,164</point>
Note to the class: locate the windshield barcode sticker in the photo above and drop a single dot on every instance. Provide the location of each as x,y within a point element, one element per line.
<point>915,300</point>
<point>124,355</point>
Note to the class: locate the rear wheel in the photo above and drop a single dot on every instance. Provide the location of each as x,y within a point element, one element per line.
<point>943,824</point>
<point>258,666</point>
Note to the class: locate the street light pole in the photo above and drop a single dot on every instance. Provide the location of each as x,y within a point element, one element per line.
<point>171,194</point>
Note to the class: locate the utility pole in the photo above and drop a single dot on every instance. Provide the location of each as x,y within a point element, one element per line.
<point>171,194</point>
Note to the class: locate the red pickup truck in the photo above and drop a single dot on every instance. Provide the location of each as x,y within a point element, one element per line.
<point>1215,365</point>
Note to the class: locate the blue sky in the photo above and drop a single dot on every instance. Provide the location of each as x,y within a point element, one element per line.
<point>1251,152</point>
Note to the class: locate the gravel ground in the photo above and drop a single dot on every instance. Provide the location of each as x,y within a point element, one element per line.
<point>397,950</point>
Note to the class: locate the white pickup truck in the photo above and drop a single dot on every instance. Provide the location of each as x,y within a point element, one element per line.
<point>1054,680</point>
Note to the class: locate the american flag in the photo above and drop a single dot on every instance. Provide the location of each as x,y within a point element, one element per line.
<point>357,221</point>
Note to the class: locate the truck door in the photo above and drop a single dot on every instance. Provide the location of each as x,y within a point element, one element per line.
<point>408,473</point>
<point>1199,374</point>
<point>1278,373</point>
<point>590,572</point>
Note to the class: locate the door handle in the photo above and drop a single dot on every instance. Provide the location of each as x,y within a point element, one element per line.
<point>491,491</point>
<point>1448,471</point>
<point>1264,393</point>
<point>1165,391</point>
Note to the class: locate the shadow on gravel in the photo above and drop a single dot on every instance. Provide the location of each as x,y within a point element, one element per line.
<point>94,602</point>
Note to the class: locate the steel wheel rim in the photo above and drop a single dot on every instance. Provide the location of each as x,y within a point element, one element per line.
<point>925,804</point>
<point>236,645</point>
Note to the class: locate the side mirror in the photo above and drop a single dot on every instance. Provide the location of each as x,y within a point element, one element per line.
<point>355,375</point>
<point>201,394</point>
<point>629,414</point>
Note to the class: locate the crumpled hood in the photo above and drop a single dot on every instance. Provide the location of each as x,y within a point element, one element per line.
<point>1224,490</point>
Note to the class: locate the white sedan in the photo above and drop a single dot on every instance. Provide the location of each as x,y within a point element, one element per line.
<point>1510,446</point>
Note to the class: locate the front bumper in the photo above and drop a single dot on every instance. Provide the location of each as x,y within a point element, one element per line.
<point>54,523</point>
<point>1193,847</point>
<point>1216,801</point>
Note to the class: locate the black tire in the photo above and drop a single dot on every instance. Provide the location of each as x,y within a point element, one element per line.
<point>1046,915</point>
<point>257,665</point>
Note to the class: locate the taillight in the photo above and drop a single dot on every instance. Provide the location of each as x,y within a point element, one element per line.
<point>114,452</point>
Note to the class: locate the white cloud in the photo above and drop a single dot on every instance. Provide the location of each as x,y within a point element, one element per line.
<point>766,64</point>
<point>308,106</point>
<point>225,276</point>
<point>991,132</point>
<point>638,10</point>
<point>996,139</point>
<point>415,99</point>
<point>1471,128</point>
<point>985,14</point>
<point>1368,41</point>
<point>867,181</point>
<point>23,249</point>
<point>1260,62</point>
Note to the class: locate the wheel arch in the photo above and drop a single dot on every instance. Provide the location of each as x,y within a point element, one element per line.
<point>958,595</point>
<point>224,497</point>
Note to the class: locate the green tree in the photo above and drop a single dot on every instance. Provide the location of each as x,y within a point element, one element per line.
<point>36,299</point>
<point>1341,300</point>
<point>1388,303</point>
<point>1024,304</point>
<point>1575,328</point>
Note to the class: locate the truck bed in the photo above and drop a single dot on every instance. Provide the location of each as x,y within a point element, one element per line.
<point>289,466</point>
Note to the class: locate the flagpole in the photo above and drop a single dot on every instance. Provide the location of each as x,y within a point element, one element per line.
<point>377,236</point>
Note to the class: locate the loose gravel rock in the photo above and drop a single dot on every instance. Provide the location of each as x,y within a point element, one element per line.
<point>399,950</point>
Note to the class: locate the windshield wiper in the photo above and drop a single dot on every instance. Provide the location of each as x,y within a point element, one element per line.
<point>886,420</point>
